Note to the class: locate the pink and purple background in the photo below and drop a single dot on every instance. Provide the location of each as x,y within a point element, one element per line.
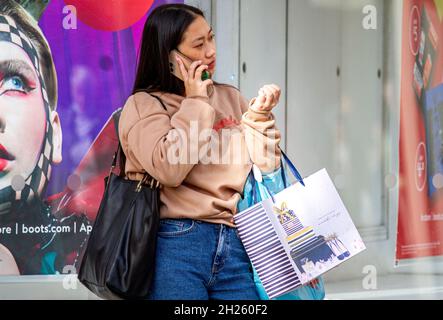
<point>95,69</point>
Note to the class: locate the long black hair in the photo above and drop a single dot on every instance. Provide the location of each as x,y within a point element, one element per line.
<point>163,32</point>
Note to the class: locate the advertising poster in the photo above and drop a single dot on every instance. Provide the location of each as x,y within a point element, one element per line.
<point>420,202</point>
<point>65,67</point>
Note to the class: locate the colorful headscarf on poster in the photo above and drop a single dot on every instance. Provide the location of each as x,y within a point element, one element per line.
<point>420,202</point>
<point>94,49</point>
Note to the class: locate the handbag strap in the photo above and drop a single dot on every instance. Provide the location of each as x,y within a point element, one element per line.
<point>119,155</point>
<point>160,100</point>
<point>152,95</point>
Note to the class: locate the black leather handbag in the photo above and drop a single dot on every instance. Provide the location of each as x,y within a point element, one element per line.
<point>119,259</point>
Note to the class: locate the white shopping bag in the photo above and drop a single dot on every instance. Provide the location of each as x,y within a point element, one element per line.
<point>299,234</point>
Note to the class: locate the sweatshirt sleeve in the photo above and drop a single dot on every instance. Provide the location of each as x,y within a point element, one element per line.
<point>262,137</point>
<point>167,148</point>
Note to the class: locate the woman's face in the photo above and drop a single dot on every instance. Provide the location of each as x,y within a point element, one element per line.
<point>22,114</point>
<point>199,44</point>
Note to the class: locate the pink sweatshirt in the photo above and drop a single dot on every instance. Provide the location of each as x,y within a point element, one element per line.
<point>201,149</point>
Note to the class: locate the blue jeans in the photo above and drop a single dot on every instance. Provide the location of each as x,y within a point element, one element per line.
<point>200,261</point>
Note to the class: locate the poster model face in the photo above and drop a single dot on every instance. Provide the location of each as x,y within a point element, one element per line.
<point>30,141</point>
<point>62,75</point>
<point>420,206</point>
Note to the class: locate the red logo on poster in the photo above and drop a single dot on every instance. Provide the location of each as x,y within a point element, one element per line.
<point>414,30</point>
<point>420,166</point>
<point>110,15</point>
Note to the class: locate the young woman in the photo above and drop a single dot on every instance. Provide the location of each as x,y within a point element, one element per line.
<point>200,145</point>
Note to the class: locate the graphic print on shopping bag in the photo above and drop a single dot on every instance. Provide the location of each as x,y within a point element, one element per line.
<point>310,251</point>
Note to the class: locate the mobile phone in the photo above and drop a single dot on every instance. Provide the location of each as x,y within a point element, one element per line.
<point>175,68</point>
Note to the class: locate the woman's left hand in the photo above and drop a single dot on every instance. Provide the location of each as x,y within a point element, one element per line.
<point>267,99</point>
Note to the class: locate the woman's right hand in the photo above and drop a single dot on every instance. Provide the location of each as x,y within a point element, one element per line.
<point>194,86</point>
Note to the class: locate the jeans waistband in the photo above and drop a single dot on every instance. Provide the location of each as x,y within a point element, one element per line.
<point>188,221</point>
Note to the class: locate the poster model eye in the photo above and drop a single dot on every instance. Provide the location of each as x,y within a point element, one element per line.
<point>14,83</point>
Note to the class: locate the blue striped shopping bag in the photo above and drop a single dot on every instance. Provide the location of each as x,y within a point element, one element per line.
<point>261,240</point>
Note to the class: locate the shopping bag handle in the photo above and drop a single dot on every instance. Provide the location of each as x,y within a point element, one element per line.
<point>293,169</point>
<point>254,183</point>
